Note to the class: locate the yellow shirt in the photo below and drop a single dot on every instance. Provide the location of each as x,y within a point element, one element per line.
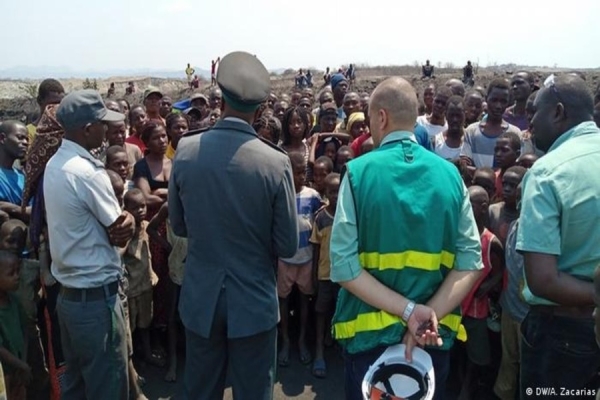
<point>170,152</point>
<point>31,132</point>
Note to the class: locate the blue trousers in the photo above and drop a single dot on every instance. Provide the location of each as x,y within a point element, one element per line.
<point>357,365</point>
<point>95,349</point>
<point>557,352</point>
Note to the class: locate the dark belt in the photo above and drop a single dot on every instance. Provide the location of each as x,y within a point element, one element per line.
<point>565,311</point>
<point>90,294</point>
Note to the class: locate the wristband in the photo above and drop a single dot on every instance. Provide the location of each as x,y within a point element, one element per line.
<point>410,307</point>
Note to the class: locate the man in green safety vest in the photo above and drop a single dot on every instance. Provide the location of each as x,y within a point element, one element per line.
<point>405,247</point>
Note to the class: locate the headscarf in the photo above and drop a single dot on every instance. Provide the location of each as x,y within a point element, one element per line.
<point>354,118</point>
<point>45,144</point>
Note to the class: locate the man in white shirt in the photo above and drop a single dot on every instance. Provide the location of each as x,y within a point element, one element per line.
<point>85,223</point>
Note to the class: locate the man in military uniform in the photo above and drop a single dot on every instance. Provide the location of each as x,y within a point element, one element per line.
<point>233,197</point>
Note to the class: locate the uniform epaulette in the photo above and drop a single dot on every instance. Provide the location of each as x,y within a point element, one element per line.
<point>272,145</point>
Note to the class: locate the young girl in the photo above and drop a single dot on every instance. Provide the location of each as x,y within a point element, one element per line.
<point>177,248</point>
<point>177,125</point>
<point>295,129</point>
<point>137,119</point>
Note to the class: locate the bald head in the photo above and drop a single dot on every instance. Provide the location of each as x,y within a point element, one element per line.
<point>572,92</point>
<point>393,106</point>
<point>457,87</point>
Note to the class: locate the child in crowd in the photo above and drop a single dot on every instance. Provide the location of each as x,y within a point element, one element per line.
<point>527,160</point>
<point>17,373</point>
<point>142,278</point>
<point>117,160</point>
<point>323,166</point>
<point>116,181</point>
<point>503,213</point>
<point>448,144</point>
<point>475,307</point>
<point>268,128</point>
<point>135,381</point>
<point>326,290</point>
<point>367,146</point>
<point>506,152</point>
<point>177,248</point>
<point>486,178</point>
<point>298,269</point>
<point>514,311</point>
<point>344,155</point>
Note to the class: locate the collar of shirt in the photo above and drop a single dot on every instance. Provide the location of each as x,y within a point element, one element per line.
<point>73,147</point>
<point>236,119</point>
<point>398,135</point>
<point>582,129</point>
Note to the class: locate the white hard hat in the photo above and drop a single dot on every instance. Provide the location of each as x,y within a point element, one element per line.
<point>391,377</point>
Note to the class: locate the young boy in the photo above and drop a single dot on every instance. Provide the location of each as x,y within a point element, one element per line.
<point>486,178</point>
<point>322,167</point>
<point>503,213</point>
<point>514,311</point>
<point>117,184</point>
<point>134,379</point>
<point>142,278</point>
<point>326,290</point>
<point>117,160</point>
<point>506,154</point>
<point>344,154</point>
<point>17,373</point>
<point>527,160</point>
<point>298,269</point>
<point>475,308</point>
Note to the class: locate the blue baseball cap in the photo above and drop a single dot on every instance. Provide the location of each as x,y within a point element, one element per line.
<point>82,107</point>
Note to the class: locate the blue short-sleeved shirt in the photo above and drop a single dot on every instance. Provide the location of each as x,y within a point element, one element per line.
<point>560,212</point>
<point>12,184</point>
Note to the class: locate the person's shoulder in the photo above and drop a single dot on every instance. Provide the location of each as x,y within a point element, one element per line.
<point>273,146</point>
<point>473,128</point>
<point>514,129</point>
<point>195,132</point>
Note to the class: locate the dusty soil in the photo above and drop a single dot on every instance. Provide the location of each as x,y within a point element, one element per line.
<point>17,101</point>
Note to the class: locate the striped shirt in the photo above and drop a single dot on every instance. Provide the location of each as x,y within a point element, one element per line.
<point>308,202</point>
<point>479,147</point>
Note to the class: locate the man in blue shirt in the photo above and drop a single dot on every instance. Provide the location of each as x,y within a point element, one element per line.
<point>558,235</point>
<point>13,146</point>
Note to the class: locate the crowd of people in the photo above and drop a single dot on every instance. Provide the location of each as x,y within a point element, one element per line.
<point>464,223</point>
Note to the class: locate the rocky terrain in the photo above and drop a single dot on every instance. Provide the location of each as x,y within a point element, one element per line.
<point>17,97</point>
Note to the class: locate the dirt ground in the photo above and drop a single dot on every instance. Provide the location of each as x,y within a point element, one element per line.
<point>17,99</point>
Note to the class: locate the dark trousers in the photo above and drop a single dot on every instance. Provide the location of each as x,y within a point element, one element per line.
<point>557,352</point>
<point>250,362</point>
<point>357,365</point>
<point>95,349</point>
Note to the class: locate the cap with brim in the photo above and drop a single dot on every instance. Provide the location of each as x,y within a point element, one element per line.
<point>393,377</point>
<point>192,111</point>
<point>152,90</point>
<point>244,81</point>
<point>82,107</point>
<point>197,96</point>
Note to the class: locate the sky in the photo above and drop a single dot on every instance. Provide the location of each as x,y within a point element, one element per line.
<point>167,34</point>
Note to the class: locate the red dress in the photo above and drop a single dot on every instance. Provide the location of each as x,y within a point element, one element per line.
<point>160,256</point>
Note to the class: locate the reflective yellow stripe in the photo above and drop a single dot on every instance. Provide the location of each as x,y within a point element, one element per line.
<point>414,259</point>
<point>379,320</point>
<point>373,321</point>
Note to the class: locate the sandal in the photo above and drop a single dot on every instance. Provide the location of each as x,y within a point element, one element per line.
<point>319,369</point>
<point>283,358</point>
